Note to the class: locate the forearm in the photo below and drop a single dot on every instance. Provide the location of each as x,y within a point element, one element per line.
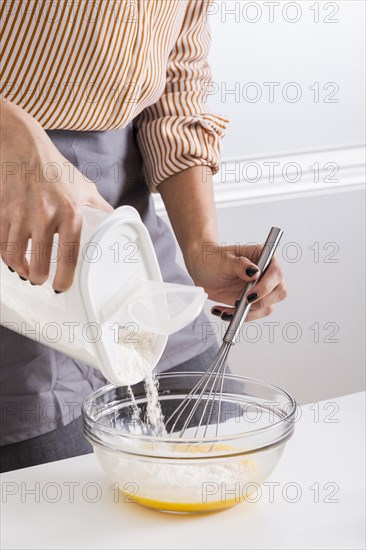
<point>189,200</point>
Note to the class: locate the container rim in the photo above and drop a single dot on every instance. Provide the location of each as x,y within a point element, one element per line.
<point>190,441</point>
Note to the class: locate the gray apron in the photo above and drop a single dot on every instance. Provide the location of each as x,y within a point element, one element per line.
<point>43,389</point>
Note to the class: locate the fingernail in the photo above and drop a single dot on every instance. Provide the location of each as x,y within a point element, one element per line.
<point>237,303</point>
<point>11,269</point>
<point>252,297</point>
<point>58,291</point>
<point>226,316</point>
<point>33,284</point>
<point>22,278</point>
<point>216,312</point>
<point>251,271</point>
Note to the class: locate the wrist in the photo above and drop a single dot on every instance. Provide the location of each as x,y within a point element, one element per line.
<point>198,253</point>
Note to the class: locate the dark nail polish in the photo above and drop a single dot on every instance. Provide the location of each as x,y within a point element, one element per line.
<point>33,284</point>
<point>252,297</point>
<point>216,312</point>
<point>58,291</point>
<point>22,278</point>
<point>11,269</point>
<point>251,271</point>
<point>226,316</point>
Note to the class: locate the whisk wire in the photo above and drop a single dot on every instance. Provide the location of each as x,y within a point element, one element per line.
<point>205,381</point>
<point>178,412</point>
<point>219,375</point>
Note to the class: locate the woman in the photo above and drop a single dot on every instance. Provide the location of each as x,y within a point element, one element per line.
<point>111,91</point>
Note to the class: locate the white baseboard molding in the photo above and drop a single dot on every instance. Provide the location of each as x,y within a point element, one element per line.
<point>287,175</point>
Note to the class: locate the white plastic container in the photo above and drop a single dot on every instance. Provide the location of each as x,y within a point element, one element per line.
<point>117,282</point>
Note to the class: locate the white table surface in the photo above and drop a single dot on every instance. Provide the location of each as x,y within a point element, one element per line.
<point>321,452</point>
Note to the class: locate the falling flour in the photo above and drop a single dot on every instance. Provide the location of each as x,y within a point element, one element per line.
<point>135,353</point>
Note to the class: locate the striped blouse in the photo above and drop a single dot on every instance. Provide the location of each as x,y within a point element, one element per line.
<point>98,64</point>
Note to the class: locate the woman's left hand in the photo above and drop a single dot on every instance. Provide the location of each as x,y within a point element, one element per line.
<point>223,272</point>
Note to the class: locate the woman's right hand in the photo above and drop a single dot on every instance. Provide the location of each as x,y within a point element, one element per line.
<point>41,194</point>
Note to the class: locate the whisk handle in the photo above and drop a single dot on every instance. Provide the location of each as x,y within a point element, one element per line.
<point>244,306</point>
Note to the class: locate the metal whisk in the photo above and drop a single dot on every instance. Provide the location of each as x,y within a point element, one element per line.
<point>216,371</point>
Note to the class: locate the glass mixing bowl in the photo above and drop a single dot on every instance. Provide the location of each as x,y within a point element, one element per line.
<point>192,474</point>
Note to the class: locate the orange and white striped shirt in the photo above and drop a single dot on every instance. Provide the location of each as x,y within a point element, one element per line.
<point>98,64</point>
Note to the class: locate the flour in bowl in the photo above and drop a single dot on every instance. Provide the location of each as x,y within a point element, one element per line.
<point>178,482</point>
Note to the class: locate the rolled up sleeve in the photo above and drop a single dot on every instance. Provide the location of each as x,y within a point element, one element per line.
<point>176,132</point>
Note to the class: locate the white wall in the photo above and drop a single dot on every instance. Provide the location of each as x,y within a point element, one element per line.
<point>325,292</point>
<point>316,194</point>
<point>304,52</point>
